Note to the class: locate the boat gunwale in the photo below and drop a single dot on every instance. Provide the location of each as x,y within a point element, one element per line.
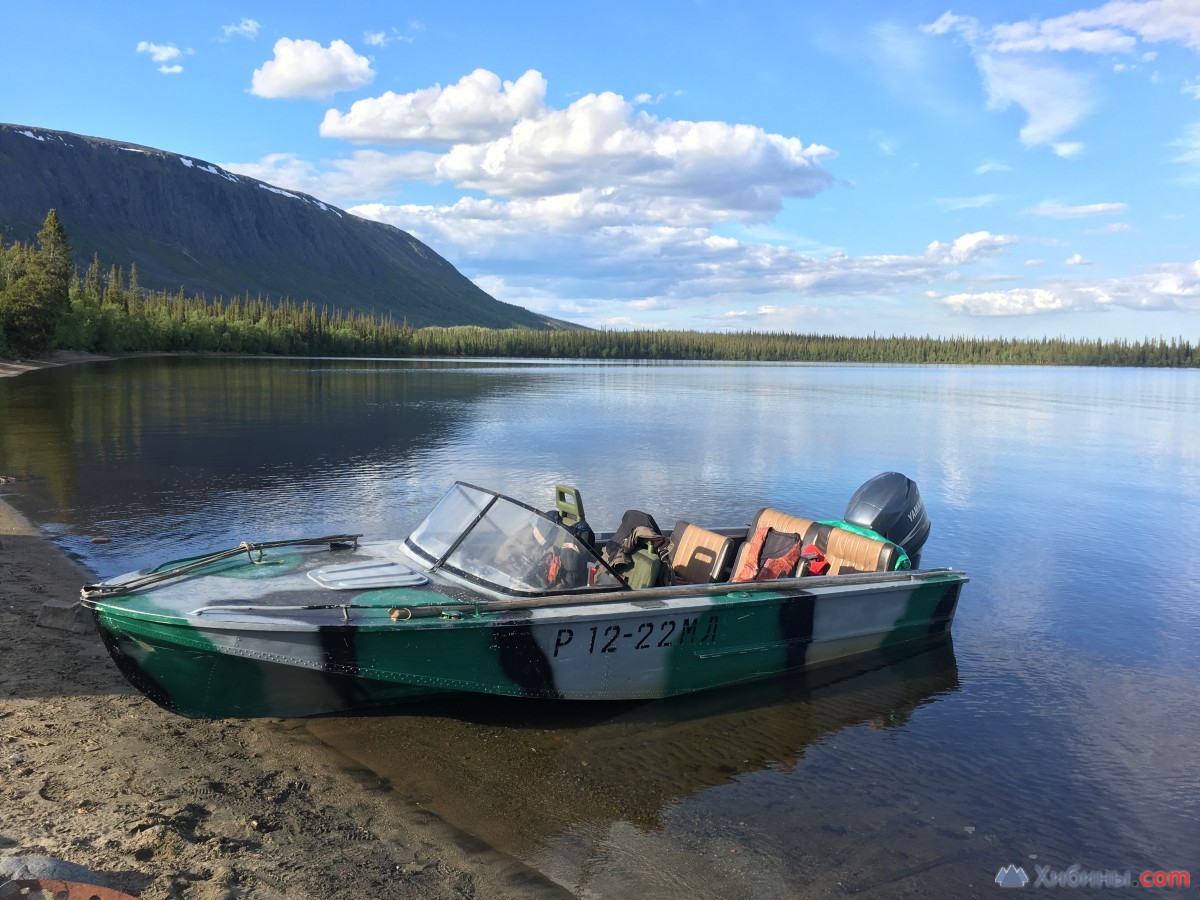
<point>267,617</point>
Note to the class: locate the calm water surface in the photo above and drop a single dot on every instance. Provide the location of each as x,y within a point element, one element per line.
<point>1059,728</point>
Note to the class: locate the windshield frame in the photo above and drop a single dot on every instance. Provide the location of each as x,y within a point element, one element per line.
<point>487,501</point>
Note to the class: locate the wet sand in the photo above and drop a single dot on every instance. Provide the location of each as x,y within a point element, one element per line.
<point>162,806</point>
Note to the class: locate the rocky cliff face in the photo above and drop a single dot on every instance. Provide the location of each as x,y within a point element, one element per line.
<point>189,223</point>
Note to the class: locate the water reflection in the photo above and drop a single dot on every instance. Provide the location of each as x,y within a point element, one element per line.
<point>1069,495</point>
<point>523,776</point>
<point>170,456</point>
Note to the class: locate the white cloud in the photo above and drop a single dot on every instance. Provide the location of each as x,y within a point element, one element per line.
<point>306,69</point>
<point>1192,89</point>
<point>660,169</point>
<point>1167,287</point>
<point>1077,260</point>
<point>968,248</point>
<point>247,28</point>
<point>392,35</point>
<point>655,99</point>
<point>1067,149</point>
<point>478,107</point>
<point>599,161</point>
<point>1061,34</point>
<point>1053,210</point>
<point>1055,98</point>
<point>1114,228</point>
<point>365,173</point>
<point>564,243</point>
<point>163,54</point>
<point>1114,27</point>
<point>991,166</point>
<point>1017,302</point>
<point>1035,262</point>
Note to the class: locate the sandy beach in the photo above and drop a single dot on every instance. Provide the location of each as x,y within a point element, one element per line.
<point>161,806</point>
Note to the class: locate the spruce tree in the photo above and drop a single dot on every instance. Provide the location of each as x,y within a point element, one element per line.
<point>34,304</point>
<point>54,250</point>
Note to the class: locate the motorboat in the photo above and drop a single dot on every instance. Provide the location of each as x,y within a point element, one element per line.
<point>491,595</point>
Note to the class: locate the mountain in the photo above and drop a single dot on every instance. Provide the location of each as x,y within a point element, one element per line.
<point>188,223</point>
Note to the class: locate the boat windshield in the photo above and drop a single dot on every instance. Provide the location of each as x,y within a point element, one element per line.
<point>505,544</point>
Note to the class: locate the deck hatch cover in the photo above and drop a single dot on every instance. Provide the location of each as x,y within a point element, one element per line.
<point>362,576</point>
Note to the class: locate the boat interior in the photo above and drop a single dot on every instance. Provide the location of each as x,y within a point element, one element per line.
<point>699,555</point>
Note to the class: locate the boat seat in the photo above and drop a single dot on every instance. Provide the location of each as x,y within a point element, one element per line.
<point>850,552</point>
<point>699,556</point>
<point>772,518</point>
<point>845,551</point>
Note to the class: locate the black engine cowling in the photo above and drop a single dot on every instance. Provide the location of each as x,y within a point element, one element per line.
<point>890,505</point>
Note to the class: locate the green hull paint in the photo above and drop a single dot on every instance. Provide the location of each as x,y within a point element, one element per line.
<point>224,668</point>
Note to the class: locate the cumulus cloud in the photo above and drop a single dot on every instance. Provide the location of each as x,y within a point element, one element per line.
<point>1168,287</point>
<point>563,242</point>
<point>1077,260</point>
<point>478,107</point>
<point>968,248</point>
<point>247,28</point>
<point>306,69</point>
<point>163,54</point>
<point>599,160</point>
<point>677,171</point>
<point>1017,302</point>
<point>1054,210</point>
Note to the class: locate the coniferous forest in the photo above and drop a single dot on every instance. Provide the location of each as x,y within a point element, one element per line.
<point>47,304</point>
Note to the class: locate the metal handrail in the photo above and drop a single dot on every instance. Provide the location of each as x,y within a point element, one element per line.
<point>103,589</point>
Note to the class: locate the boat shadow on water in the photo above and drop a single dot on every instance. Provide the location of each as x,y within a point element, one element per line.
<point>516,773</point>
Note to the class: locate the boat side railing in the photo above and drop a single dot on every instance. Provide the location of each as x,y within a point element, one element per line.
<point>103,590</point>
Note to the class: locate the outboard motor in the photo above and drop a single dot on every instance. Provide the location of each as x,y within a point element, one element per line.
<point>890,505</point>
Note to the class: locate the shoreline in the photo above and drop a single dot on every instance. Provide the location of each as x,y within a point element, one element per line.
<point>10,368</point>
<point>162,806</point>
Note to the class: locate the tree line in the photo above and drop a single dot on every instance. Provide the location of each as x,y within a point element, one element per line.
<point>47,304</point>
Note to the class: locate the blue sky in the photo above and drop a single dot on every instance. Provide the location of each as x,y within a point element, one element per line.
<point>1016,169</point>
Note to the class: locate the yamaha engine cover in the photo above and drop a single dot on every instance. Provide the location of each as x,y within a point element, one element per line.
<point>890,505</point>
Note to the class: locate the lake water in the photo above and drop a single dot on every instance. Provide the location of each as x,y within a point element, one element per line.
<point>1059,728</point>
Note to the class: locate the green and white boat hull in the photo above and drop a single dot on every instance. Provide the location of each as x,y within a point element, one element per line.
<point>257,637</point>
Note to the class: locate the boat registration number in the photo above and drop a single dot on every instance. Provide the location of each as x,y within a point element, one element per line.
<point>643,636</point>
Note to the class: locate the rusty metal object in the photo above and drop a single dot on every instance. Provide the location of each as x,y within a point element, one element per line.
<point>57,890</point>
